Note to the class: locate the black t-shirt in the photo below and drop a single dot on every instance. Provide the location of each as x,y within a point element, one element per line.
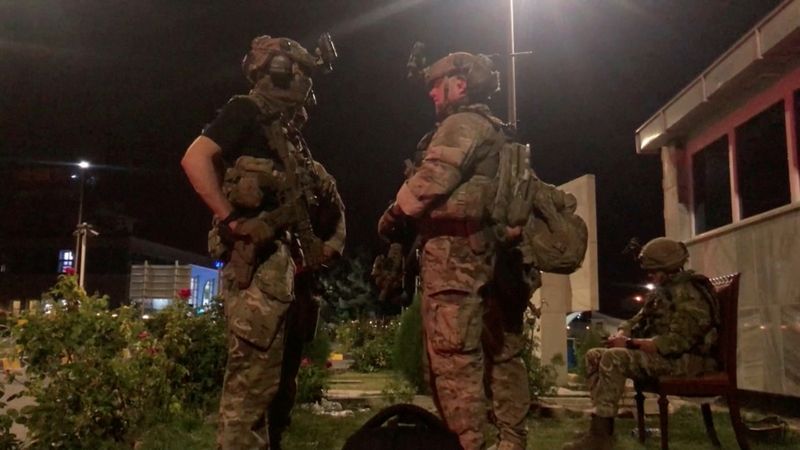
<point>237,131</point>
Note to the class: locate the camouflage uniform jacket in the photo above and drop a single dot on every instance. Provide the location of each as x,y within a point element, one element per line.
<point>462,150</point>
<point>681,316</point>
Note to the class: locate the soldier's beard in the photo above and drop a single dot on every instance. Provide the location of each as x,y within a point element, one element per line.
<point>447,108</point>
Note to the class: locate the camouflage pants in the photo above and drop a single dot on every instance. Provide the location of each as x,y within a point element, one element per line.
<point>462,367</point>
<point>256,336</point>
<point>507,384</point>
<point>608,368</point>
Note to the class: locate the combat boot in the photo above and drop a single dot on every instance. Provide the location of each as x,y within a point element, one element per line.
<point>600,436</point>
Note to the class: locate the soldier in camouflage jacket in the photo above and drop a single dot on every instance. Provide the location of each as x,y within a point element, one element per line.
<point>673,334</point>
<point>449,197</point>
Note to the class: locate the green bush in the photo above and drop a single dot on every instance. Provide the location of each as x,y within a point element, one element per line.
<point>313,378</point>
<point>541,377</point>
<point>408,351</point>
<point>312,381</point>
<point>95,375</point>
<point>595,337</point>
<point>100,377</point>
<point>398,390</point>
<point>319,349</point>
<point>198,347</point>
<point>375,351</point>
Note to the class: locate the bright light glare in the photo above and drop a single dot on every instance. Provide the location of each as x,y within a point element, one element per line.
<point>84,164</point>
<point>650,286</point>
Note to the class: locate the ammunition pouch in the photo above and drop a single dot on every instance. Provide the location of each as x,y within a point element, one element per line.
<point>470,201</point>
<point>242,261</point>
<point>258,311</point>
<point>246,183</point>
<point>311,246</point>
<point>217,248</point>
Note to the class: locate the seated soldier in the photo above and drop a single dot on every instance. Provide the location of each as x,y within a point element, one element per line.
<point>673,334</point>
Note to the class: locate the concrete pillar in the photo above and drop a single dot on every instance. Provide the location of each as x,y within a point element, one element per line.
<point>554,298</point>
<point>677,197</point>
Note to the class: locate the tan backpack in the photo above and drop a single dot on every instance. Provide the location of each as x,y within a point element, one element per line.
<point>554,238</point>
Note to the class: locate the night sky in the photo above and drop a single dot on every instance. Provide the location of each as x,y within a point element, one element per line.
<point>130,84</point>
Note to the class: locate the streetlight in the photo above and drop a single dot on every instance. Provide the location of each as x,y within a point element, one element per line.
<point>512,68</point>
<point>83,229</point>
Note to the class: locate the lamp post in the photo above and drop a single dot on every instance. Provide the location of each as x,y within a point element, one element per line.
<point>83,229</point>
<point>512,68</point>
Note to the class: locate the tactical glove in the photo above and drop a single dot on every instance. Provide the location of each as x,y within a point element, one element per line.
<point>255,231</point>
<point>390,222</point>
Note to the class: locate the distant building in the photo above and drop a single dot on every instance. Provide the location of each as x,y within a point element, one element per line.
<point>41,200</point>
<point>155,286</point>
<point>29,266</point>
<point>731,180</point>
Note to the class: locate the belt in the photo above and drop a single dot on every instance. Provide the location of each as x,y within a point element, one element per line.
<point>456,228</point>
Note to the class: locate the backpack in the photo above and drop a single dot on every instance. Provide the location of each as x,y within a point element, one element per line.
<point>413,428</point>
<point>554,238</point>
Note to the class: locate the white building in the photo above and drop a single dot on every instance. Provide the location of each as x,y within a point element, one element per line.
<point>729,152</point>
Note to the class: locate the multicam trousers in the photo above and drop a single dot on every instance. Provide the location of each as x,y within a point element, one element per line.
<point>453,275</point>
<point>607,369</point>
<point>256,336</point>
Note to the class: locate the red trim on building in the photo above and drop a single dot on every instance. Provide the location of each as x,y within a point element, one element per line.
<point>783,90</point>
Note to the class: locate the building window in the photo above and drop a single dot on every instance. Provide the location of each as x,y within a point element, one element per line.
<point>712,186</point>
<point>195,291</point>
<point>208,291</point>
<point>66,258</point>
<point>762,162</point>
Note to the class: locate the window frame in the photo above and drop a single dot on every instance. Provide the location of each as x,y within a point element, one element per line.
<point>782,91</point>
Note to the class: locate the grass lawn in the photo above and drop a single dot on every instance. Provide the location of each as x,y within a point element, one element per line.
<point>686,433</point>
<point>311,432</point>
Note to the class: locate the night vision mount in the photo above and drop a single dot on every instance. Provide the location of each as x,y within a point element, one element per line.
<point>326,53</point>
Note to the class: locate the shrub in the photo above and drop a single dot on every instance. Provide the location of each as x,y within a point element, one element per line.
<point>198,347</point>
<point>398,390</point>
<point>408,351</point>
<point>99,378</point>
<point>313,377</point>
<point>375,353</point>
<point>312,381</point>
<point>95,376</point>
<point>593,338</point>
<point>319,349</point>
<point>541,377</point>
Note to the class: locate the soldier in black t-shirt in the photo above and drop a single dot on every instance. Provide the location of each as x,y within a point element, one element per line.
<point>277,217</point>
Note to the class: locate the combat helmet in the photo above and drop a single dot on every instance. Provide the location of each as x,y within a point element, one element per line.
<point>282,64</point>
<point>478,70</point>
<point>663,254</point>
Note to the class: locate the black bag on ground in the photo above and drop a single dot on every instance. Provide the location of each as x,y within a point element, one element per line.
<point>403,427</point>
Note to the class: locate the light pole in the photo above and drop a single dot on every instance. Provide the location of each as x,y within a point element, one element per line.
<point>83,229</point>
<point>512,68</point>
